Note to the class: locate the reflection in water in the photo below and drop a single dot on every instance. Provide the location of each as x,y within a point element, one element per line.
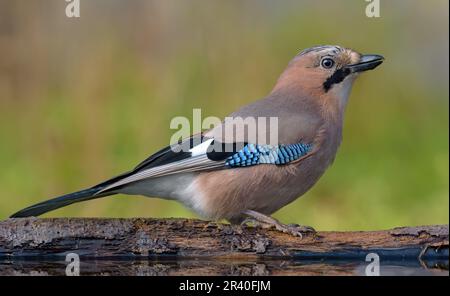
<point>220,267</point>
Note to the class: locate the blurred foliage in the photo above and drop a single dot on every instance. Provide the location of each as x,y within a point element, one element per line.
<point>85,99</point>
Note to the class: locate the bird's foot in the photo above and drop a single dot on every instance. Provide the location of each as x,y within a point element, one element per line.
<point>263,221</point>
<point>294,229</point>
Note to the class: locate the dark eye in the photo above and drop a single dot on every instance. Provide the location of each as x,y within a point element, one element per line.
<point>327,63</point>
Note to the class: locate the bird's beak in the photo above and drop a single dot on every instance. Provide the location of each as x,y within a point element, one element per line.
<point>366,62</point>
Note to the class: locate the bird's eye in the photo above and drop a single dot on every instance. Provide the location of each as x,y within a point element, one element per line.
<point>327,63</point>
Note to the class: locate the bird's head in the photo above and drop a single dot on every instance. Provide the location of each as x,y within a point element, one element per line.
<point>326,73</point>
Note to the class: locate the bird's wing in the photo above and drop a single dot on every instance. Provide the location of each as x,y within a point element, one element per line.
<point>193,154</point>
<point>205,154</point>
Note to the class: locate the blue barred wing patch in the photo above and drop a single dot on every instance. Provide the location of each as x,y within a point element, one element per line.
<point>253,154</point>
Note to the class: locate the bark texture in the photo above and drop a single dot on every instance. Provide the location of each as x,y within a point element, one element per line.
<point>93,238</point>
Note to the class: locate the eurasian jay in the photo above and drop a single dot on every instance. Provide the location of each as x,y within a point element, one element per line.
<point>220,177</point>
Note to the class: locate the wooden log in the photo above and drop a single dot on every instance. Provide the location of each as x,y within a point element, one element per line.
<point>106,238</point>
<point>168,240</point>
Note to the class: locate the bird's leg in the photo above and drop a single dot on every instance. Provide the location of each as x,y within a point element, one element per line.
<point>265,221</point>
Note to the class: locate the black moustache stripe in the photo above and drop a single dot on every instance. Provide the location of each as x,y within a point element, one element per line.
<point>337,77</point>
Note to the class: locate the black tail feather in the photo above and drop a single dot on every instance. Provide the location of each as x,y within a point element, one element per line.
<point>59,202</point>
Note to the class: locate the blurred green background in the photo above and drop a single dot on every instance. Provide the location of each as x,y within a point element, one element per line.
<point>82,100</point>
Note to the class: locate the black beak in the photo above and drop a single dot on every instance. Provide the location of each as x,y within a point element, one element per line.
<point>367,62</point>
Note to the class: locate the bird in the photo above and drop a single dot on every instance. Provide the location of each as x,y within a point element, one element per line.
<point>242,178</point>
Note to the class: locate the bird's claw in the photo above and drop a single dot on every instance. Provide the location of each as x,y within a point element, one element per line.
<point>255,223</point>
<point>292,229</point>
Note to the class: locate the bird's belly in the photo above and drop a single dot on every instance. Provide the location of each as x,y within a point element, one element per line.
<point>263,188</point>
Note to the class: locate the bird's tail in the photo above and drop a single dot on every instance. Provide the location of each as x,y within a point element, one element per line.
<point>59,202</point>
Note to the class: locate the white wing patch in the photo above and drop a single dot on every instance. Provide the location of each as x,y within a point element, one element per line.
<point>201,148</point>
